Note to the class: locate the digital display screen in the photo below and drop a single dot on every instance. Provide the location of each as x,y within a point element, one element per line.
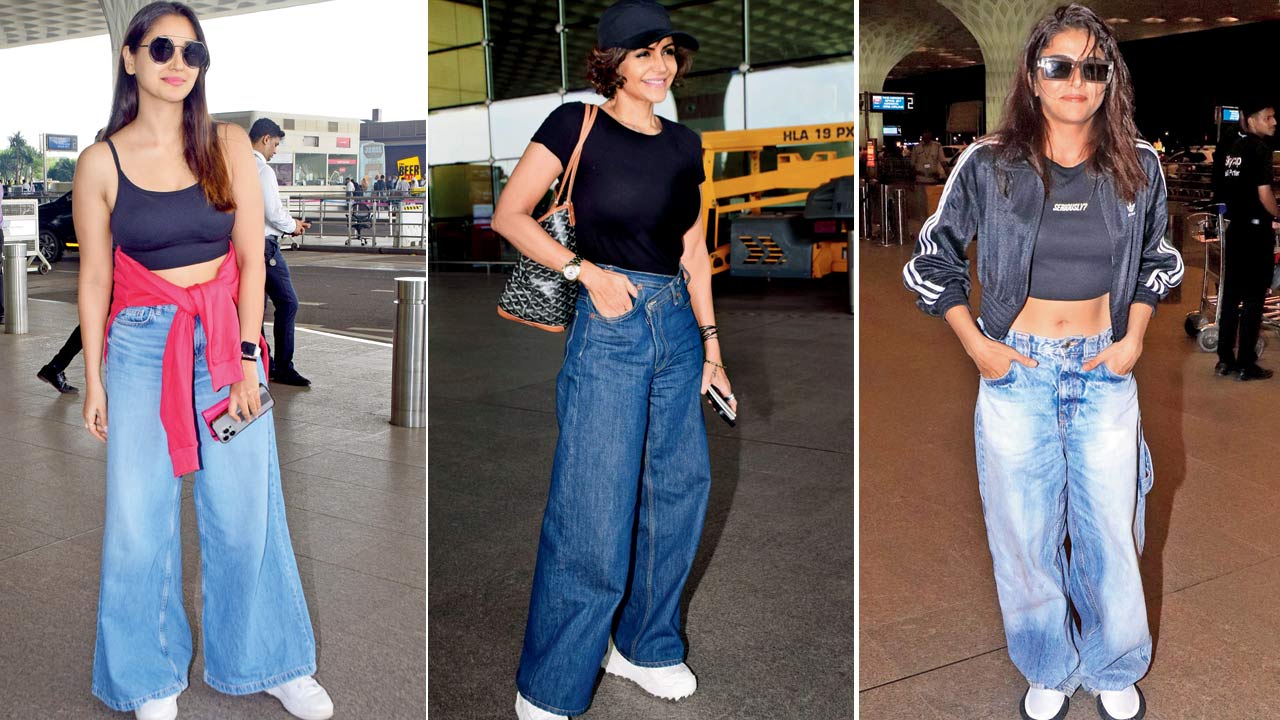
<point>881,103</point>
<point>892,130</point>
<point>64,143</point>
<point>1230,114</point>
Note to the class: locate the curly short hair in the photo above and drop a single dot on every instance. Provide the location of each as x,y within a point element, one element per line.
<point>603,64</point>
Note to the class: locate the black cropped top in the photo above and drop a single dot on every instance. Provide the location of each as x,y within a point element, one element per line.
<point>636,195</point>
<point>164,230</point>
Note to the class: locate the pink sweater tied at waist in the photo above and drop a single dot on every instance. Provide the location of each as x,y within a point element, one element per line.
<point>215,303</point>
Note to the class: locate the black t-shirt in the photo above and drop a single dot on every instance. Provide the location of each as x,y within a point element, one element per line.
<point>1246,167</point>
<point>1072,257</point>
<point>635,195</point>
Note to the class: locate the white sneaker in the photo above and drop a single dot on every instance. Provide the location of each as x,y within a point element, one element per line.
<point>1044,704</point>
<point>1126,704</point>
<point>163,709</point>
<point>669,683</point>
<point>303,698</point>
<point>526,710</point>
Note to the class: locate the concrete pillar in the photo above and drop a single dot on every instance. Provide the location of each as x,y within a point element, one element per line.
<point>883,43</point>
<point>118,13</point>
<point>1001,28</point>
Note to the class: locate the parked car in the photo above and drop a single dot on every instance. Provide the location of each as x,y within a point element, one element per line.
<point>57,231</point>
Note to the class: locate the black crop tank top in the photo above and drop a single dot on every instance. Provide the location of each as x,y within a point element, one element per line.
<point>170,229</point>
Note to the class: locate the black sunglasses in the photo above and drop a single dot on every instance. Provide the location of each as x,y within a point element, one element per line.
<point>195,54</point>
<point>1060,68</point>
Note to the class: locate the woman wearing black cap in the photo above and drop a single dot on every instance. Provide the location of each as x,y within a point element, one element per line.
<point>631,473</point>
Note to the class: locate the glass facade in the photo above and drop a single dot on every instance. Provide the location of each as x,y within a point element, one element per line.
<point>498,69</point>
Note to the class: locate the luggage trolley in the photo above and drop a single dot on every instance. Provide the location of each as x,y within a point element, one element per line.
<point>1202,324</point>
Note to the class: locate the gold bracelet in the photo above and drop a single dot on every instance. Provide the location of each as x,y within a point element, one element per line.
<point>713,362</point>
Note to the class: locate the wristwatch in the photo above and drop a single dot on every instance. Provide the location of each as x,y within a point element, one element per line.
<point>249,351</point>
<point>573,269</point>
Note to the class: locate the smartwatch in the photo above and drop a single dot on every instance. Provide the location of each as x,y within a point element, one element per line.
<point>573,269</point>
<point>249,351</point>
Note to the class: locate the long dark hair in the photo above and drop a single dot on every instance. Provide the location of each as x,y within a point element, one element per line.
<point>1023,131</point>
<point>201,146</point>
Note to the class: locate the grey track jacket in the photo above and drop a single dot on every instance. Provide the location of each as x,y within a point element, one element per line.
<point>1002,204</point>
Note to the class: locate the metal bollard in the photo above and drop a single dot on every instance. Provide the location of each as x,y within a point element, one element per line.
<point>900,201</point>
<point>884,217</point>
<point>15,288</point>
<point>409,354</point>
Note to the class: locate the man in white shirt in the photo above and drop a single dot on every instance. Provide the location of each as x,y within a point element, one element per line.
<point>266,136</point>
<point>402,186</point>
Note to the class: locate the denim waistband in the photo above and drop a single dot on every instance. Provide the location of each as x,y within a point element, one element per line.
<point>1073,346</point>
<point>655,286</point>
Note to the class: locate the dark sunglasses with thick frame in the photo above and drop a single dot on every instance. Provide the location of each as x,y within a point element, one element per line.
<point>1057,67</point>
<point>194,53</point>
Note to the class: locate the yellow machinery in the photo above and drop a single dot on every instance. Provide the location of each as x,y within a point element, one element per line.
<point>746,194</point>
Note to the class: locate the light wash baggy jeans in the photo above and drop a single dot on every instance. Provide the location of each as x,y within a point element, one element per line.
<point>1060,452</point>
<point>628,495</point>
<point>257,633</point>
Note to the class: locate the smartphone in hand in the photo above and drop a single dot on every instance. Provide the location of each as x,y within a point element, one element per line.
<point>721,405</point>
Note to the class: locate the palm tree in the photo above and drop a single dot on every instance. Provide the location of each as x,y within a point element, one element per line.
<point>22,155</point>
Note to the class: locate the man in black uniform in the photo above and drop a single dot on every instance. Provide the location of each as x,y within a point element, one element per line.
<point>1250,242</point>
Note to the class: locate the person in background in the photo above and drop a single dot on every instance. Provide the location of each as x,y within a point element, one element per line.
<point>54,372</point>
<point>402,186</point>
<point>266,136</point>
<point>1,248</point>
<point>927,160</point>
<point>1249,257</point>
<point>379,185</point>
<point>364,185</point>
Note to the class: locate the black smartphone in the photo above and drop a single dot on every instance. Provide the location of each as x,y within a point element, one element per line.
<point>722,406</point>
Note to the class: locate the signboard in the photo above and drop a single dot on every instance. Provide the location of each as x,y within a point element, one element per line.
<point>372,160</point>
<point>344,142</point>
<point>892,130</point>
<point>1230,114</point>
<point>341,161</point>
<point>61,143</point>
<point>411,166</point>
<point>891,102</point>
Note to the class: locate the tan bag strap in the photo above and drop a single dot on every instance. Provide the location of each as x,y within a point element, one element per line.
<point>571,172</point>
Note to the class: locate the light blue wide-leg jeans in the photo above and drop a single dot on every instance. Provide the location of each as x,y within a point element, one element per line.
<point>257,632</point>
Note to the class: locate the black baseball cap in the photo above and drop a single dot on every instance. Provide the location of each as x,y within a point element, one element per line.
<point>633,24</point>
<point>1255,104</point>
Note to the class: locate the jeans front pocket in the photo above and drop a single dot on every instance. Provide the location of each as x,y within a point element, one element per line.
<point>136,316</point>
<point>636,304</point>
<point>1004,380</point>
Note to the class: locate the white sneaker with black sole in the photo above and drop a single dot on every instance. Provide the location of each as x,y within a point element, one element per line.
<point>673,682</point>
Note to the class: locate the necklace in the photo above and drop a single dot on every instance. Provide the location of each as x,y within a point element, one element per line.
<point>653,123</point>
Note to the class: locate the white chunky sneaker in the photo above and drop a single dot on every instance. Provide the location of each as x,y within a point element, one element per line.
<point>1126,704</point>
<point>526,710</point>
<point>673,682</point>
<point>162,709</point>
<point>303,698</point>
<point>1044,704</point>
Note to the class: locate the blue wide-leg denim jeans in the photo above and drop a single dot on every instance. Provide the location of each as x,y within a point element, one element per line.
<point>628,495</point>
<point>257,632</point>
<point>1060,452</point>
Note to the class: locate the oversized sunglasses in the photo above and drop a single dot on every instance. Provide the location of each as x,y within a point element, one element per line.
<point>195,54</point>
<point>1060,68</point>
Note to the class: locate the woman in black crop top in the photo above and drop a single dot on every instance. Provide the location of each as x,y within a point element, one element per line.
<point>180,300</point>
<point>631,472</point>
<point>1069,208</point>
